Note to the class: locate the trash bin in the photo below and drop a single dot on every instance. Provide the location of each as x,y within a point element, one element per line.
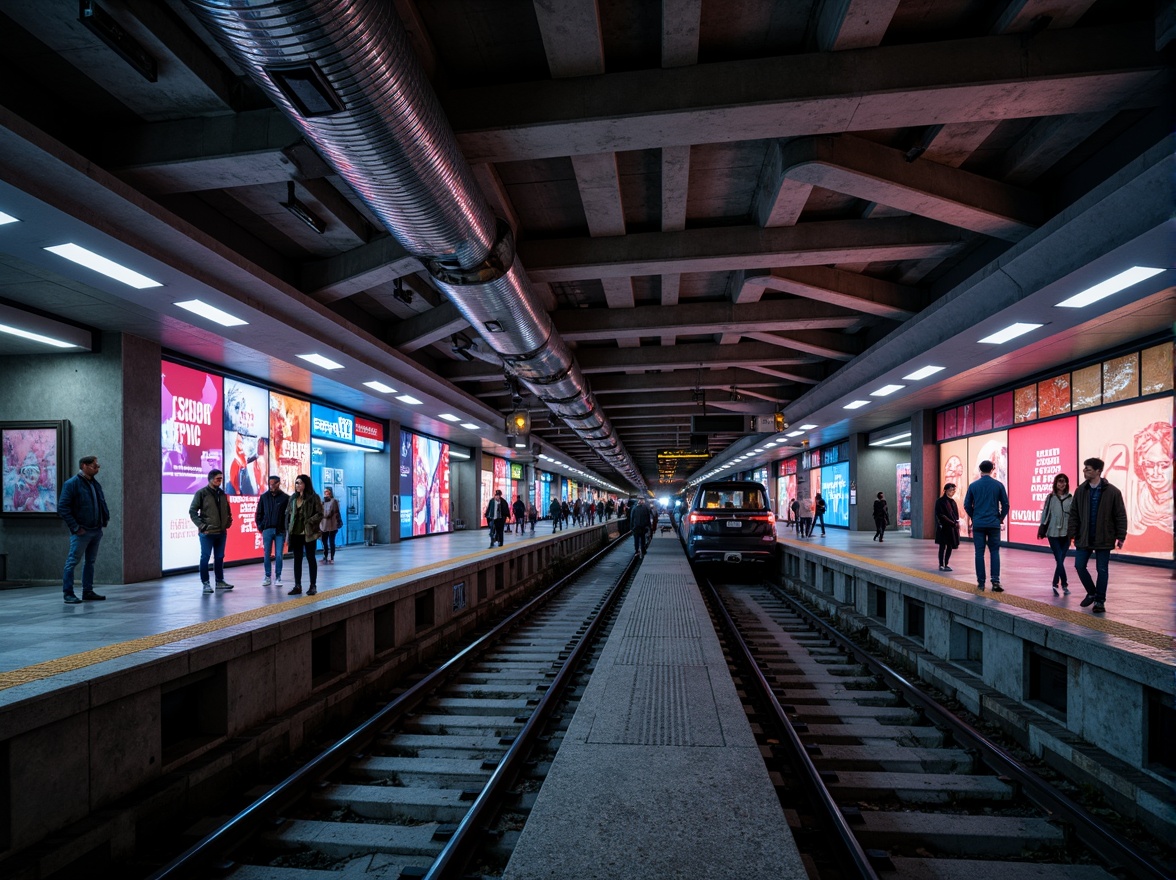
<point>369,533</point>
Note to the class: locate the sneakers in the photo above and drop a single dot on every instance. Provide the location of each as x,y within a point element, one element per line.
<point>93,597</point>
<point>297,591</point>
<point>941,568</point>
<point>996,587</point>
<point>1054,587</point>
<point>71,599</point>
<point>1065,590</point>
<point>266,582</point>
<point>312,591</point>
<point>980,587</point>
<point>278,581</point>
<point>207,587</point>
<point>947,568</point>
<point>1088,601</point>
<point>224,585</point>
<point>1098,608</point>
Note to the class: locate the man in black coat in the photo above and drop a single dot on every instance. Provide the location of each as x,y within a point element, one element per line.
<point>639,522</point>
<point>496,513</point>
<point>82,505</point>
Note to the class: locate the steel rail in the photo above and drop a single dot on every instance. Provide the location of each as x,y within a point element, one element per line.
<point>1093,833</point>
<point>270,805</point>
<point>854,859</point>
<point>460,847</point>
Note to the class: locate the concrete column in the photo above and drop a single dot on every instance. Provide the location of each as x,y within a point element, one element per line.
<point>925,486</point>
<point>142,483</point>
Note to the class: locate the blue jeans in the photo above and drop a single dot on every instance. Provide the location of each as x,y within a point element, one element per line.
<point>1102,561</point>
<point>213,545</point>
<point>1059,547</point>
<point>81,546</point>
<point>991,537</point>
<point>275,541</point>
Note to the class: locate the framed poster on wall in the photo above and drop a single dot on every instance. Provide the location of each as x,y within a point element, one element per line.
<point>36,462</point>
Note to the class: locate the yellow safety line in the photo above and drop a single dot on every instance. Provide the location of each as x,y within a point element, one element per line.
<point>1089,621</point>
<point>49,668</point>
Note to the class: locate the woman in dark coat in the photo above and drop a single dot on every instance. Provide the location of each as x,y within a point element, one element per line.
<point>947,525</point>
<point>881,517</point>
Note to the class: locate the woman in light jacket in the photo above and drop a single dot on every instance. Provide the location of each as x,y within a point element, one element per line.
<point>947,525</point>
<point>332,522</point>
<point>1055,520</point>
<point>303,516</point>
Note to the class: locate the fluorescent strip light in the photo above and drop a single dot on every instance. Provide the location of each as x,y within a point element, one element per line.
<point>857,404</point>
<point>409,399</point>
<point>35,337</point>
<point>923,373</point>
<point>319,361</point>
<point>808,427</point>
<point>449,417</point>
<point>459,455</point>
<point>379,386</point>
<point>1010,332</point>
<point>470,426</point>
<point>212,313</point>
<point>794,434</point>
<point>1112,285</point>
<point>7,218</point>
<point>109,268</point>
<point>884,441</point>
<point>886,390</point>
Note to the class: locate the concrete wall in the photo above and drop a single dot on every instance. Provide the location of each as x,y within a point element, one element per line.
<point>873,469</point>
<point>111,399</point>
<point>380,482</point>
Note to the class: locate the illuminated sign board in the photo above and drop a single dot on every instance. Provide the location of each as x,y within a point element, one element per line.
<point>331,424</point>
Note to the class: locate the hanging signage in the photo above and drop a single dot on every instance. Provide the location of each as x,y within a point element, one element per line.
<point>516,471</point>
<point>369,434</point>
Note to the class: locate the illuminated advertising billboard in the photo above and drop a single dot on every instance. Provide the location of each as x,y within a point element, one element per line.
<point>247,439</point>
<point>405,484</point>
<point>191,425</point>
<point>289,423</point>
<point>835,491</point>
<point>1037,454</point>
<point>992,447</point>
<point>430,486</point>
<point>787,489</point>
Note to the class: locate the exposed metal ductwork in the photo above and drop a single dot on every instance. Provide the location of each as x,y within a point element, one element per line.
<point>344,72</point>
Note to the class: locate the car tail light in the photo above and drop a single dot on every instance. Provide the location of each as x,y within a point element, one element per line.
<point>768,518</point>
<point>700,517</point>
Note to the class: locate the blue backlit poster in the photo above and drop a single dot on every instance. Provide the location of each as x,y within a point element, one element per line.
<point>835,491</point>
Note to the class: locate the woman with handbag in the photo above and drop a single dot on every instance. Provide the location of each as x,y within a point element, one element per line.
<point>1054,526</point>
<point>303,516</point>
<point>947,525</point>
<point>332,522</point>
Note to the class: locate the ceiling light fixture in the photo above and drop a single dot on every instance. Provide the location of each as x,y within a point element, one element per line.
<point>886,390</point>
<point>101,24</point>
<point>857,404</point>
<point>808,427</point>
<point>1010,332</point>
<point>379,386</point>
<point>470,426</point>
<point>319,361</point>
<point>7,218</point>
<point>1111,286</point>
<point>794,434</point>
<point>301,211</point>
<point>449,417</point>
<point>399,293</point>
<point>211,313</point>
<point>35,337</point>
<point>923,373</point>
<point>83,257</point>
<point>409,399</point>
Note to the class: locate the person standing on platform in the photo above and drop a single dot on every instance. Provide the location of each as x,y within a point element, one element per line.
<point>519,509</point>
<point>819,508</point>
<point>82,504</point>
<point>947,525</point>
<point>881,517</point>
<point>270,519</point>
<point>212,515</point>
<point>304,516</point>
<point>987,503</point>
<point>532,516</point>
<point>1055,528</point>
<point>556,512</point>
<point>1098,522</point>
<point>794,510</point>
<point>806,517</point>
<point>332,522</point>
<point>591,513</point>
<point>496,513</point>
<point>639,525</point>
<point>566,512</point>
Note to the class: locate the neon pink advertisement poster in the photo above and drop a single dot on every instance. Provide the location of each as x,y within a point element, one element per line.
<point>191,419</point>
<point>1037,454</point>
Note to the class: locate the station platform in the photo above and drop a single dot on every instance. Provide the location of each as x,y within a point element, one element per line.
<point>659,772</point>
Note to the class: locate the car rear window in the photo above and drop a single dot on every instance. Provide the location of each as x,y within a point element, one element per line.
<point>737,498</point>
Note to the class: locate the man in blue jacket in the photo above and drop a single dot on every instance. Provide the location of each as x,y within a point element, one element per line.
<point>987,503</point>
<point>82,505</point>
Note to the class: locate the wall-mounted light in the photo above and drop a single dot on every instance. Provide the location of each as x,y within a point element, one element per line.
<point>301,211</point>
<point>399,293</point>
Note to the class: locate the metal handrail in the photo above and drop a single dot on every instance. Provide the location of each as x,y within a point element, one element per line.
<point>234,830</point>
<point>1091,831</point>
<point>852,854</point>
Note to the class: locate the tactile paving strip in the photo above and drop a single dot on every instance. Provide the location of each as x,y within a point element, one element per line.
<point>49,668</point>
<point>1089,621</point>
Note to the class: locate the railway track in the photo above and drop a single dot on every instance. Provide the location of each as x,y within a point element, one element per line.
<point>445,771</point>
<point>904,788</point>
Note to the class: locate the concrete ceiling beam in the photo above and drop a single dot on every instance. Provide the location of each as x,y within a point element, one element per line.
<point>354,271</point>
<point>739,247</point>
<point>426,328</point>
<point>827,345</point>
<point>847,290</point>
<point>853,24</point>
<point>1080,70</point>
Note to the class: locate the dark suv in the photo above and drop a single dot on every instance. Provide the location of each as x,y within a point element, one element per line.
<point>731,521</point>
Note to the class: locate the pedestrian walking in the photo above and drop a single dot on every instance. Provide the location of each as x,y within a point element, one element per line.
<point>881,517</point>
<point>806,517</point>
<point>270,520</point>
<point>519,509</point>
<point>819,508</point>
<point>496,513</point>
<point>1055,528</point>
<point>304,515</point>
<point>987,503</point>
<point>212,515</point>
<point>639,525</point>
<point>332,522</point>
<point>82,504</point>
<point>947,525</point>
<point>1098,523</point>
<point>556,513</point>
<point>532,516</point>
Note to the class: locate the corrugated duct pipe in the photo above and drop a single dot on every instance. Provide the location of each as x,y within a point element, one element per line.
<point>345,74</point>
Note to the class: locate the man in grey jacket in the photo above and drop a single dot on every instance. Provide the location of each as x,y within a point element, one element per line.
<point>212,515</point>
<point>1098,522</point>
